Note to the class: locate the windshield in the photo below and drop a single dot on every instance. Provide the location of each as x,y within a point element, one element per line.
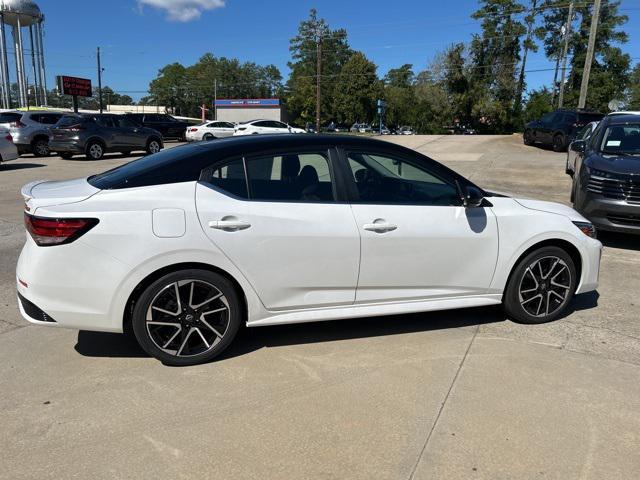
<point>622,140</point>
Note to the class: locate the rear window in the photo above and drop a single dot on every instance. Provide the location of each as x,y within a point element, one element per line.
<point>174,165</point>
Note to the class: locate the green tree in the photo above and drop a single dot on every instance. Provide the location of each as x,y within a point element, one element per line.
<point>355,90</point>
<point>399,93</point>
<point>301,86</point>
<point>494,56</point>
<point>539,102</point>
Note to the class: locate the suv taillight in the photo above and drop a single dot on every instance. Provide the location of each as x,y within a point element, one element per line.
<point>47,232</point>
<point>17,124</point>
<point>75,128</point>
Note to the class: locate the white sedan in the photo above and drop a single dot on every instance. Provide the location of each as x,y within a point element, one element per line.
<point>188,244</point>
<point>210,131</point>
<point>8,150</point>
<point>256,127</point>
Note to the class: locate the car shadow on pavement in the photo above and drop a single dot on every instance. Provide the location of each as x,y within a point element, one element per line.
<point>19,166</point>
<point>100,344</point>
<point>620,240</point>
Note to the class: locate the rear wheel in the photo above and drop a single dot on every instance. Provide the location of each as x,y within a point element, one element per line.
<point>153,146</point>
<point>541,286</point>
<point>95,150</point>
<point>187,317</point>
<point>207,137</point>
<point>559,143</point>
<point>40,147</point>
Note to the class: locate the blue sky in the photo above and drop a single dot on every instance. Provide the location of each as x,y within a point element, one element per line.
<point>138,37</point>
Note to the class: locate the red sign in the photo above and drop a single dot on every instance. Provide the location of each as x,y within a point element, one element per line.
<point>80,87</point>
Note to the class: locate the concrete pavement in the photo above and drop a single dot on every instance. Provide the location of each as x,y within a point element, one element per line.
<point>446,395</point>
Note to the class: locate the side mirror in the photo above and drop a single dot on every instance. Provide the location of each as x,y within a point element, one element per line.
<point>471,196</point>
<point>578,146</point>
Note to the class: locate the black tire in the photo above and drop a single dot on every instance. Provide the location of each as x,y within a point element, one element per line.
<point>559,144</point>
<point>66,155</point>
<point>153,146</point>
<point>40,147</point>
<point>521,307</point>
<point>208,137</point>
<point>94,150</point>
<point>220,336</point>
<point>527,138</point>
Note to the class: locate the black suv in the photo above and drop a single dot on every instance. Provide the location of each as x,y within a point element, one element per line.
<point>94,135</point>
<point>169,127</point>
<point>606,182</point>
<point>558,128</point>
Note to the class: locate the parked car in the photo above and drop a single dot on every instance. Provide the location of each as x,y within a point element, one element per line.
<point>8,150</point>
<point>384,131</point>
<point>187,245</point>
<point>95,135</point>
<point>169,127</point>
<point>256,127</point>
<point>559,128</point>
<point>361,128</point>
<point>336,128</point>
<point>30,130</point>
<point>583,134</point>
<point>210,130</point>
<point>606,182</point>
<point>406,130</point>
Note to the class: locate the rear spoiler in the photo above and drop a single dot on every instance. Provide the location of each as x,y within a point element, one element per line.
<point>25,191</point>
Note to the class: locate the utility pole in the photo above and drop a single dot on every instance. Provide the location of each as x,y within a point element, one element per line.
<point>215,99</point>
<point>529,19</point>
<point>318,73</point>
<point>567,34</point>
<point>99,80</point>
<point>595,18</point>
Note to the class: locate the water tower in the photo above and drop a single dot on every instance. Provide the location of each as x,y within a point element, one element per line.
<point>25,18</point>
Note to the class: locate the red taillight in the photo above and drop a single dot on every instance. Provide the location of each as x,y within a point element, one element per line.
<point>193,129</point>
<point>75,128</point>
<point>57,231</point>
<point>17,124</point>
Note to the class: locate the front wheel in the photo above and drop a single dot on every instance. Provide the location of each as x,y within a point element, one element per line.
<point>559,143</point>
<point>187,317</point>
<point>153,146</point>
<point>541,286</point>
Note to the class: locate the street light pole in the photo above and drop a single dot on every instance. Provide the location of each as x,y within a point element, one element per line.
<point>318,74</point>
<point>99,80</point>
<point>567,34</point>
<point>584,87</point>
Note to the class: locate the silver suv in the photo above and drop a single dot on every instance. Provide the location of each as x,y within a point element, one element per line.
<point>30,130</point>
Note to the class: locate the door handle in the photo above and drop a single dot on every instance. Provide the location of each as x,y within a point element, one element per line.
<point>229,225</point>
<point>379,227</point>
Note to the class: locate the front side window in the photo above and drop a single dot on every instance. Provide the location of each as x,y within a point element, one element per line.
<point>621,140</point>
<point>49,119</point>
<point>123,122</point>
<point>383,179</point>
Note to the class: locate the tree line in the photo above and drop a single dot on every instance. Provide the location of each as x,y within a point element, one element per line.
<point>480,83</point>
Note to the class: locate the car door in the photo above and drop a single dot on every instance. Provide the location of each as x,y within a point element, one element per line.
<point>417,240</point>
<point>544,127</point>
<point>226,129</point>
<point>277,217</point>
<point>130,134</point>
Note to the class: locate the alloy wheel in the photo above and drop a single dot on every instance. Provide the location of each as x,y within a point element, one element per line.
<point>187,318</point>
<point>544,286</point>
<point>42,149</point>
<point>154,146</point>
<point>96,151</point>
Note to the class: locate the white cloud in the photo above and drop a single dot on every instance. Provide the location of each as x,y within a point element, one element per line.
<point>183,10</point>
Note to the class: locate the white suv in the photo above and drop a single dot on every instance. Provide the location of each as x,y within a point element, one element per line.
<point>30,130</point>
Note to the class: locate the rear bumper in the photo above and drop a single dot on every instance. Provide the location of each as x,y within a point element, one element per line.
<point>611,215</point>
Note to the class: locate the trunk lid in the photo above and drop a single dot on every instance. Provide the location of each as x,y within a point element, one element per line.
<point>44,193</point>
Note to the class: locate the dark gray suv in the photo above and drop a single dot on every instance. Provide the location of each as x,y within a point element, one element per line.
<point>95,135</point>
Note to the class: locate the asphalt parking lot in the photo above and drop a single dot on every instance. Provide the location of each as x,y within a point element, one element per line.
<point>448,395</point>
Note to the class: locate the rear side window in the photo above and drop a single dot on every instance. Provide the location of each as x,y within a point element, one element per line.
<point>289,177</point>
<point>68,120</point>
<point>9,117</point>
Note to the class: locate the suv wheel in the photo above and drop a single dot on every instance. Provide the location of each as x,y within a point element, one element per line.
<point>40,148</point>
<point>153,146</point>
<point>187,317</point>
<point>559,143</point>
<point>541,286</point>
<point>95,150</point>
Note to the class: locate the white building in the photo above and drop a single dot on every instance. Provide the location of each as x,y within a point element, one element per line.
<point>245,109</point>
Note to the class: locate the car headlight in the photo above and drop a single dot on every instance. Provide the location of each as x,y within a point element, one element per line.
<point>599,173</point>
<point>587,228</point>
